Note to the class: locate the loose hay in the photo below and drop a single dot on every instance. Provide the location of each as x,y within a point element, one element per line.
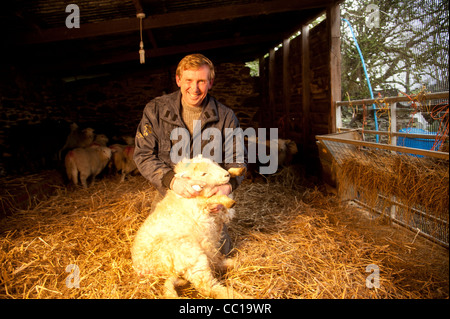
<point>289,243</point>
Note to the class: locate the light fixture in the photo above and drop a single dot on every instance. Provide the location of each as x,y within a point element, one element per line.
<point>141,16</point>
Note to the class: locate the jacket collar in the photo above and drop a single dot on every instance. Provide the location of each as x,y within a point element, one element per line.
<point>172,114</point>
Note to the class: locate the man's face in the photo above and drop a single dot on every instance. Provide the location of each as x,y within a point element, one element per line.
<point>194,85</point>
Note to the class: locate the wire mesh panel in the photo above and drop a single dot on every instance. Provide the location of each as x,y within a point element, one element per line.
<point>412,191</point>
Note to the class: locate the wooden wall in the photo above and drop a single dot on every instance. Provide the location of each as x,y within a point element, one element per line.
<point>301,82</point>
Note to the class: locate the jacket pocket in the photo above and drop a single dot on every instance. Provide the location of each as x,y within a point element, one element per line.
<point>164,151</point>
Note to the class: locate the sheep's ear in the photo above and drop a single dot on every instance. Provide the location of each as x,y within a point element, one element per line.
<point>236,171</point>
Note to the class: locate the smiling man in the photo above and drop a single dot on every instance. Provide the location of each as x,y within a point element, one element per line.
<point>178,112</point>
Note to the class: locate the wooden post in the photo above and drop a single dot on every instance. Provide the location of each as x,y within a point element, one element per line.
<point>271,87</point>
<point>306,89</point>
<point>286,86</point>
<point>262,120</point>
<point>393,126</point>
<point>334,32</point>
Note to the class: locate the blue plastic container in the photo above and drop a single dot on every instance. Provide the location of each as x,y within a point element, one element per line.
<point>421,143</point>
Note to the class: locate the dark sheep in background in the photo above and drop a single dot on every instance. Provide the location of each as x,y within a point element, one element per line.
<point>77,138</point>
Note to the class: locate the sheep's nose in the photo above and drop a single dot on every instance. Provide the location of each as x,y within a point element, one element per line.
<point>227,175</point>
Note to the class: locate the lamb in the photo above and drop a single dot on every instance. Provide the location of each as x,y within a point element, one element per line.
<point>99,140</point>
<point>180,240</point>
<point>87,162</point>
<point>286,151</point>
<point>77,138</point>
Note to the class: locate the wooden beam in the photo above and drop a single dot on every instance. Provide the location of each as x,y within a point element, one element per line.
<point>334,36</point>
<point>169,20</point>
<point>193,47</point>
<point>138,6</point>
<point>152,39</point>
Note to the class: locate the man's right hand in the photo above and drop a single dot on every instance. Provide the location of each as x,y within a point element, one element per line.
<point>183,187</point>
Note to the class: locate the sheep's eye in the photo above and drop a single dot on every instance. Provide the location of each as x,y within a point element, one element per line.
<point>204,174</point>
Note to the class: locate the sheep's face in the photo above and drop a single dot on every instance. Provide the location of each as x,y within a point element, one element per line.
<point>206,171</point>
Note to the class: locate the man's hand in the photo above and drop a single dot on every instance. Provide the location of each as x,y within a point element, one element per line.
<point>224,189</point>
<point>183,187</point>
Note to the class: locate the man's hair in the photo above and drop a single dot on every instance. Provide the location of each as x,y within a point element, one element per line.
<point>194,62</point>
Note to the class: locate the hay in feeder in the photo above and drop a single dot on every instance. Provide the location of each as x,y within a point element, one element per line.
<point>421,183</point>
<point>289,243</point>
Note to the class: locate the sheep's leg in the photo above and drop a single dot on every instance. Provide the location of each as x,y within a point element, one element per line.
<point>83,179</point>
<point>202,278</point>
<point>73,176</point>
<point>169,287</point>
<point>92,180</point>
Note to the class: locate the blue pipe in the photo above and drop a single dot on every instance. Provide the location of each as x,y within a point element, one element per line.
<point>365,72</point>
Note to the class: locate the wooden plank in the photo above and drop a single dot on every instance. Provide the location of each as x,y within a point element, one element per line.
<point>410,135</point>
<point>169,20</point>
<point>334,36</point>
<point>392,99</point>
<point>401,149</point>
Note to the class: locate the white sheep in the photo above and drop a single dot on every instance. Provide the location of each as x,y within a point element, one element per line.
<point>100,140</point>
<point>86,162</point>
<point>180,240</point>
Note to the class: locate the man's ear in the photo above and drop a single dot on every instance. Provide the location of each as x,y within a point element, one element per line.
<point>178,80</point>
<point>210,84</point>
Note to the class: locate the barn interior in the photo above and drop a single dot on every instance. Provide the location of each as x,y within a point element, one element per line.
<point>277,66</point>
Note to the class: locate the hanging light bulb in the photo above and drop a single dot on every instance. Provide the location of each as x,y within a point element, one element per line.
<point>141,44</point>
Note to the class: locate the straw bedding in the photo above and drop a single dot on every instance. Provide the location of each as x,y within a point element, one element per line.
<point>291,241</point>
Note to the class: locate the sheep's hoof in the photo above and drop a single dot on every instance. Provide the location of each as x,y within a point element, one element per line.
<point>220,199</point>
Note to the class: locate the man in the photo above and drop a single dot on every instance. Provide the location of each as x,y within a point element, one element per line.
<point>195,77</point>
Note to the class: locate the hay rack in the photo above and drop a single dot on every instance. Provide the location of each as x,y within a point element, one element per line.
<point>370,175</point>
